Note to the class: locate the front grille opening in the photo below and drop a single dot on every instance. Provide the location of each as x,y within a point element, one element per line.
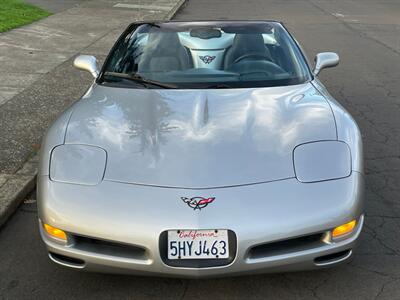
<point>109,248</point>
<point>74,262</point>
<point>286,246</point>
<point>332,258</point>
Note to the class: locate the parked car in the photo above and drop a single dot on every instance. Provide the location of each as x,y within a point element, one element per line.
<point>202,149</point>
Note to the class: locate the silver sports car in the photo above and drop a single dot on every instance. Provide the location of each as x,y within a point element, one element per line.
<point>202,149</point>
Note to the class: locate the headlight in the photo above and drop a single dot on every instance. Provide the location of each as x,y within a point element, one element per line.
<point>79,164</point>
<point>319,161</point>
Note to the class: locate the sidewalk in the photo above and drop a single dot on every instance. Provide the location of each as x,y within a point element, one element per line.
<point>37,80</point>
<point>55,6</point>
<point>32,50</point>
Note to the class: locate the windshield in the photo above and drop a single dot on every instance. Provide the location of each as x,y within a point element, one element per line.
<point>205,55</point>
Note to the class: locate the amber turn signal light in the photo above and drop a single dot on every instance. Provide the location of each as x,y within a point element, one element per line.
<point>55,232</point>
<point>343,229</point>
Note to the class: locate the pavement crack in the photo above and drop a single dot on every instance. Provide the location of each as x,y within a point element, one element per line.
<point>351,264</point>
<point>375,236</point>
<point>383,288</point>
<point>186,286</point>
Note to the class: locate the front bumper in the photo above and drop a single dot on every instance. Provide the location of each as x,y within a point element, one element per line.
<point>132,219</point>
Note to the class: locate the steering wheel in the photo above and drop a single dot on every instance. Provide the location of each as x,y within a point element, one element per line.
<point>251,67</point>
<point>251,55</point>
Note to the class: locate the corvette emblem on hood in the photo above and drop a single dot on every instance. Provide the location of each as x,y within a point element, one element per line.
<point>197,202</point>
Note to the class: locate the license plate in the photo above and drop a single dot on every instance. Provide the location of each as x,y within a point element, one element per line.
<point>198,244</point>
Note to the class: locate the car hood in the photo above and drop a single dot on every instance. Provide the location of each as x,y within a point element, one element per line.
<point>200,138</point>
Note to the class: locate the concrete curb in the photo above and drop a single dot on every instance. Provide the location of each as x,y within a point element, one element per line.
<point>15,187</point>
<point>175,9</point>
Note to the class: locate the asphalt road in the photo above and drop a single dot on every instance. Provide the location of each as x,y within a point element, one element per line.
<point>366,34</point>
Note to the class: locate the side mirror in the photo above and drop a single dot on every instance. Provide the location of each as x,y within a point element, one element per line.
<point>325,60</point>
<point>87,63</point>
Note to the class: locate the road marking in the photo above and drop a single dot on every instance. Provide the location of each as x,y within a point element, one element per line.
<point>338,15</point>
<point>146,7</point>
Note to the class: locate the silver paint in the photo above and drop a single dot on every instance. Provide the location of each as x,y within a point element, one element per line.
<point>79,164</point>
<point>260,213</point>
<point>144,131</point>
<point>346,127</point>
<point>200,138</point>
<point>236,145</point>
<point>325,60</point>
<point>87,63</point>
<point>314,161</point>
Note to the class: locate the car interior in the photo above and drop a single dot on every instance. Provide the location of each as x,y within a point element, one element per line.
<point>208,54</point>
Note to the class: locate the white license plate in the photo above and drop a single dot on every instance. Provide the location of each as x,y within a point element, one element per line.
<point>198,244</point>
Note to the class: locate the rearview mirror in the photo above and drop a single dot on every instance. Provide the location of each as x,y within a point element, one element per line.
<point>325,60</point>
<point>87,63</point>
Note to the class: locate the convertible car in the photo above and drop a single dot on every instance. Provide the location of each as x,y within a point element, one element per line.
<point>202,149</point>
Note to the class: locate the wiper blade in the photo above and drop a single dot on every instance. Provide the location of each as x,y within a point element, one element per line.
<point>153,24</point>
<point>140,79</point>
<point>219,86</point>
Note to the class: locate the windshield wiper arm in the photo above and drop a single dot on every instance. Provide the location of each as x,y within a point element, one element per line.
<point>140,79</point>
<point>219,86</point>
<point>152,24</point>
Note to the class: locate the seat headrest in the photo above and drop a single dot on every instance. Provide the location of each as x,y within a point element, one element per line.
<point>244,43</point>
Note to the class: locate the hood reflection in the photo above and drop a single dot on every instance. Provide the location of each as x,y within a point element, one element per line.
<point>200,138</point>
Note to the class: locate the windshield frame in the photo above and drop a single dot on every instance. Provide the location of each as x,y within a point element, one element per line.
<point>309,76</point>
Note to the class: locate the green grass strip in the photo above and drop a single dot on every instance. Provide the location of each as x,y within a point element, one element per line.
<point>15,13</point>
